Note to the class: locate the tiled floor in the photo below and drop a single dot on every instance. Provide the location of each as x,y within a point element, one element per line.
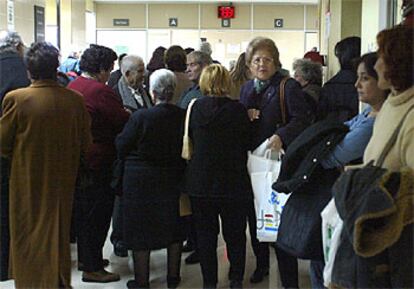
<point>191,275</point>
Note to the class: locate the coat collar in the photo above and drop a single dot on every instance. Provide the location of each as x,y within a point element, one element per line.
<point>44,83</point>
<point>396,100</point>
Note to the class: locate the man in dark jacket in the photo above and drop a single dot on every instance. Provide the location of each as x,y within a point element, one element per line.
<point>13,75</point>
<point>130,86</point>
<point>196,61</point>
<point>339,97</point>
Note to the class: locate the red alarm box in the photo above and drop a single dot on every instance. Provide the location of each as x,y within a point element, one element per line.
<point>226,12</point>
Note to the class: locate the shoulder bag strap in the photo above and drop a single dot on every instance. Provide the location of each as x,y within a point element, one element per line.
<point>393,138</point>
<point>282,99</point>
<point>187,117</point>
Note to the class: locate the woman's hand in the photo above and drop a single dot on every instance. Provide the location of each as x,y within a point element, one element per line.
<point>253,114</point>
<point>275,143</point>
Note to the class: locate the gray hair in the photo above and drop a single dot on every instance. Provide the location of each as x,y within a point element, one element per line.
<point>9,41</point>
<point>309,70</point>
<point>130,63</point>
<point>163,83</point>
<point>206,48</point>
<point>200,57</point>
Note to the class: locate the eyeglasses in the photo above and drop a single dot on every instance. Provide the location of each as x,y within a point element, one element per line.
<point>265,60</point>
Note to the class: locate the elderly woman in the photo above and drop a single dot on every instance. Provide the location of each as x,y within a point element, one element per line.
<point>96,203</point>
<point>261,96</point>
<point>309,74</point>
<point>151,145</point>
<point>43,131</point>
<point>217,178</point>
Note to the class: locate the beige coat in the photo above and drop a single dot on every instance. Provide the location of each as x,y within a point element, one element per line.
<point>402,153</point>
<point>44,128</point>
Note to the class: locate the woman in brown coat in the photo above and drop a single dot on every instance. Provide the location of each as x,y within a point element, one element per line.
<point>43,130</point>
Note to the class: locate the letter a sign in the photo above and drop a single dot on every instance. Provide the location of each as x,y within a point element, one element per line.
<point>173,22</point>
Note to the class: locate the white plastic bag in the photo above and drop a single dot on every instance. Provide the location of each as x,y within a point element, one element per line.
<point>264,168</point>
<point>331,236</point>
<point>263,159</point>
<point>268,205</point>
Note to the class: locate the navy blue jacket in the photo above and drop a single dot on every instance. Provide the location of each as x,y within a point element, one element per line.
<point>13,73</point>
<point>339,97</point>
<point>270,118</point>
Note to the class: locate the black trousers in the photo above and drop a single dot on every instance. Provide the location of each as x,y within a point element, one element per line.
<point>233,214</point>
<point>288,268</point>
<point>4,220</point>
<point>261,250</point>
<point>117,222</point>
<point>95,206</point>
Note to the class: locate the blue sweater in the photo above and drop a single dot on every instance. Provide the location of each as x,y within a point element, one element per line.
<point>353,145</point>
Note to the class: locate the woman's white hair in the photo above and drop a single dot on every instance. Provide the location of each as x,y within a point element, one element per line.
<point>9,41</point>
<point>163,83</point>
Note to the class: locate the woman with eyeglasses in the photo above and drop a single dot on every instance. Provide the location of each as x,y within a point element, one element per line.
<point>261,96</point>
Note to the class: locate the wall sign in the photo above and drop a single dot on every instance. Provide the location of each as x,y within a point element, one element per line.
<point>39,21</point>
<point>173,22</point>
<point>278,23</point>
<point>121,22</point>
<point>10,15</point>
<point>225,22</point>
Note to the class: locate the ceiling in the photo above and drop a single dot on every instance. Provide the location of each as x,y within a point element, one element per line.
<point>214,1</point>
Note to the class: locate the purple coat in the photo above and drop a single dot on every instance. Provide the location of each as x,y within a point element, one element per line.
<point>270,119</point>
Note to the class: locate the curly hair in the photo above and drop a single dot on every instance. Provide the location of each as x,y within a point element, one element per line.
<point>42,61</point>
<point>309,70</point>
<point>175,58</point>
<point>262,43</point>
<point>215,80</point>
<point>97,58</point>
<point>395,47</point>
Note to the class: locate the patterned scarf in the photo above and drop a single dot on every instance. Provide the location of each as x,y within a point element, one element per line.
<point>260,85</point>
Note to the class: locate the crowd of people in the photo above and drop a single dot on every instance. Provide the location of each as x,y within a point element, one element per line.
<point>88,145</point>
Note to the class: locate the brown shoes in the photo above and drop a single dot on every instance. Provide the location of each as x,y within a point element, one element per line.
<point>101,276</point>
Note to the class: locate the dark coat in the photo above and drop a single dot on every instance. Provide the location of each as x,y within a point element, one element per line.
<point>339,97</point>
<point>270,118</point>
<point>219,130</point>
<point>310,184</point>
<point>13,75</point>
<point>151,145</point>
<point>114,77</point>
<point>108,119</point>
<point>376,248</point>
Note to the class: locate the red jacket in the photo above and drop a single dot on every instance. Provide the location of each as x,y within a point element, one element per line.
<point>108,119</point>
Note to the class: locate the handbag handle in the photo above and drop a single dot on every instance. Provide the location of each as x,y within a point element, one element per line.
<point>282,99</point>
<point>187,117</point>
<point>393,139</point>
